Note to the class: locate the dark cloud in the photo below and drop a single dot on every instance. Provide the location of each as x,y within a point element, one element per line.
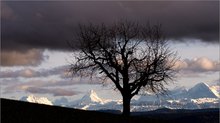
<point>49,24</point>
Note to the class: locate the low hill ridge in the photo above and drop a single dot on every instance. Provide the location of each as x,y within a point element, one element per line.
<point>24,112</point>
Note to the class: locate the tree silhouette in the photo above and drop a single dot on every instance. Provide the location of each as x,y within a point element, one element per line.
<point>133,56</point>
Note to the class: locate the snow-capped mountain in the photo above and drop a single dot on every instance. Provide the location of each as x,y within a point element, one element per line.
<point>201,90</point>
<point>90,97</point>
<point>35,99</point>
<point>91,101</point>
<point>199,96</point>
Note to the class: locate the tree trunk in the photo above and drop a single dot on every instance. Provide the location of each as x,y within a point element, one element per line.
<point>126,105</point>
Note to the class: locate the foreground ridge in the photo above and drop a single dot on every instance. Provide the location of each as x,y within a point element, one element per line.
<point>17,111</point>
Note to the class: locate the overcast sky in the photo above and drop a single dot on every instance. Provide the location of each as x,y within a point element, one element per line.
<point>35,55</point>
<point>50,24</point>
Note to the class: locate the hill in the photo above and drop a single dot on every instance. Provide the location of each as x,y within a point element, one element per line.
<point>23,112</point>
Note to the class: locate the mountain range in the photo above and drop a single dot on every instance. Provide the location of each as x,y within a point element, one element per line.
<point>198,97</point>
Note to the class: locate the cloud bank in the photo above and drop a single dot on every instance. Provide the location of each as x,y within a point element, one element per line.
<point>53,82</point>
<point>32,57</point>
<point>32,73</point>
<point>197,66</point>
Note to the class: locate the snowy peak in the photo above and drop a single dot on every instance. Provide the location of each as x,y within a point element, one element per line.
<point>34,99</point>
<point>201,90</point>
<point>201,85</point>
<point>91,97</point>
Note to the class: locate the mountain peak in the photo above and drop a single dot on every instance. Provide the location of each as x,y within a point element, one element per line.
<point>35,99</point>
<point>91,97</point>
<point>201,90</point>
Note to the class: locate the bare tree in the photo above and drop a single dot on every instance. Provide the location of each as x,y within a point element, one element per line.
<point>133,56</point>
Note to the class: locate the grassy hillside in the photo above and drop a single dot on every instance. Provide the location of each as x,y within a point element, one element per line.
<point>23,112</point>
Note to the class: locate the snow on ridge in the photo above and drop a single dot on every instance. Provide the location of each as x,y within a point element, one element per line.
<point>148,102</point>
<point>35,99</point>
<point>215,90</point>
<point>91,97</point>
<point>205,100</point>
<point>202,96</point>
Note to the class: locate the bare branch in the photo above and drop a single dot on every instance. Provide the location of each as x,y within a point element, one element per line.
<point>133,56</point>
